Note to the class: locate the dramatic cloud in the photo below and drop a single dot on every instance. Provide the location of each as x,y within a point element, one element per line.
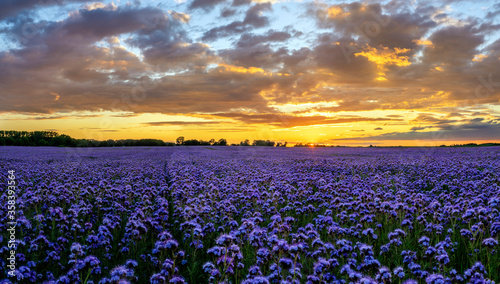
<point>453,46</point>
<point>253,19</point>
<point>484,131</point>
<point>205,4</point>
<point>182,123</point>
<point>249,40</point>
<point>11,8</point>
<point>381,71</point>
<point>283,120</point>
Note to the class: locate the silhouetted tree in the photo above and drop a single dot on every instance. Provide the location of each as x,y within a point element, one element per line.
<point>263,143</point>
<point>180,140</point>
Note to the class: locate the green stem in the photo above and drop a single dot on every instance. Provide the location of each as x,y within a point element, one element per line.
<point>88,275</point>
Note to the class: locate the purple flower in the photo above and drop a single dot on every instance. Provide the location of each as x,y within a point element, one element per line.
<point>424,241</point>
<point>490,242</point>
<point>435,279</point>
<point>398,271</point>
<point>224,240</point>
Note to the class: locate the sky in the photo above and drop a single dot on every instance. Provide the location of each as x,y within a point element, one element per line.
<point>411,73</point>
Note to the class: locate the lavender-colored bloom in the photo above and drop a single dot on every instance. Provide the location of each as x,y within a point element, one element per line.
<point>157,279</point>
<point>490,242</point>
<point>424,241</point>
<point>384,274</point>
<point>224,240</point>
<point>436,279</point>
<point>286,263</point>
<point>399,272</point>
<point>256,280</point>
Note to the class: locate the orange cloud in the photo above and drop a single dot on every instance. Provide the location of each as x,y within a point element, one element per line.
<point>479,57</point>
<point>56,95</point>
<point>384,57</point>
<point>336,11</point>
<point>422,42</point>
<point>241,69</point>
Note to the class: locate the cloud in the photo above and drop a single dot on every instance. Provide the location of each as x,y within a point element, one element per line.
<point>181,123</point>
<point>248,40</point>
<point>87,76</point>
<point>330,54</point>
<point>417,128</point>
<point>453,46</point>
<point>360,56</point>
<point>464,132</point>
<point>287,121</point>
<point>10,8</point>
<point>253,19</point>
<point>227,12</point>
<point>371,25</point>
<point>494,13</point>
<point>206,5</point>
<point>430,118</point>
<point>241,2</point>
<point>262,56</point>
<point>51,117</point>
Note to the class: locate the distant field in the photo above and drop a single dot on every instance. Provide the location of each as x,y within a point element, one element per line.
<point>250,215</point>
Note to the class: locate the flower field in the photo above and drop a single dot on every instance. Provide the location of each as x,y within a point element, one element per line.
<point>253,215</point>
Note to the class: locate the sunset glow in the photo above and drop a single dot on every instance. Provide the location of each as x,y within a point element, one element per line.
<point>337,73</point>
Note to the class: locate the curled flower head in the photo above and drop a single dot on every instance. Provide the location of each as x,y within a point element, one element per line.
<point>384,274</point>
<point>424,241</point>
<point>225,240</point>
<point>76,249</point>
<point>399,272</point>
<point>490,242</point>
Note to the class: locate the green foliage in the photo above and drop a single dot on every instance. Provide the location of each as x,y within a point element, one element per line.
<point>51,138</point>
<point>194,142</point>
<point>263,143</point>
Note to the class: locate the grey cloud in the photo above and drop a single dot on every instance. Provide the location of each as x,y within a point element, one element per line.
<point>494,13</point>
<point>257,56</point>
<point>241,2</point>
<point>249,40</point>
<point>336,58</point>
<point>417,128</point>
<point>205,4</point>
<point>253,19</point>
<point>373,26</point>
<point>196,123</point>
<point>286,120</point>
<point>453,45</point>
<point>227,12</point>
<point>12,8</point>
<point>465,132</point>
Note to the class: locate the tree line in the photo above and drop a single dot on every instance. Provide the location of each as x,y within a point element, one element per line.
<point>267,143</point>
<point>181,141</point>
<point>52,138</point>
